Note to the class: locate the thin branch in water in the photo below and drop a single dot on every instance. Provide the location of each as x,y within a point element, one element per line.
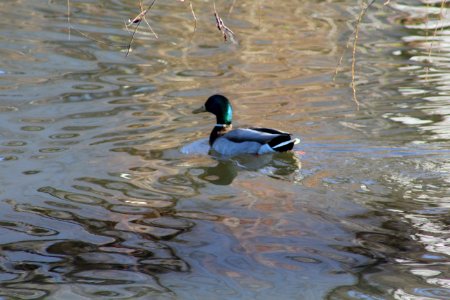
<point>427,69</point>
<point>138,20</point>
<point>195,18</point>
<point>347,45</point>
<point>227,33</point>
<point>355,35</point>
<point>150,27</point>
<point>71,27</point>
<point>231,7</point>
<point>68,17</point>
<point>193,15</point>
<point>141,17</point>
<point>259,13</point>
<point>98,41</point>
<point>131,40</point>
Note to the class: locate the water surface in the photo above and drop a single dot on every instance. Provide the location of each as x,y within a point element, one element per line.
<point>101,200</point>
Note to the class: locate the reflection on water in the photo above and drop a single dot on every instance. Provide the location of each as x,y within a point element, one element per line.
<point>279,165</point>
<point>415,203</point>
<point>108,190</point>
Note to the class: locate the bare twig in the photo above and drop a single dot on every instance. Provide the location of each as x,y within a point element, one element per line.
<point>141,17</point>
<point>427,69</point>
<point>347,45</point>
<point>227,33</point>
<point>349,39</point>
<point>98,41</point>
<point>355,35</point>
<point>195,22</point>
<point>137,20</point>
<point>193,15</point>
<point>71,27</point>
<point>259,13</point>
<point>131,40</point>
<point>68,16</point>
<point>355,41</point>
<point>231,7</point>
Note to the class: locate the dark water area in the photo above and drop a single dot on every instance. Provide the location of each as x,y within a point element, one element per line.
<point>107,189</point>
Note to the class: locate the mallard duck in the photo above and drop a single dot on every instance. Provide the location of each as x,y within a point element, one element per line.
<point>227,141</point>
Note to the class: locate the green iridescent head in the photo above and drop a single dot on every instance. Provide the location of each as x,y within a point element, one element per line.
<point>221,107</point>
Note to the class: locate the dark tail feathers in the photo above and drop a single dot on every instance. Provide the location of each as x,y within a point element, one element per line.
<point>282,143</point>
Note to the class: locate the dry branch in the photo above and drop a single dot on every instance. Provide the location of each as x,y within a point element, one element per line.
<point>227,33</point>
<point>138,20</point>
<point>355,35</point>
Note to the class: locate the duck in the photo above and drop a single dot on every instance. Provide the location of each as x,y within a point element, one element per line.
<point>227,141</point>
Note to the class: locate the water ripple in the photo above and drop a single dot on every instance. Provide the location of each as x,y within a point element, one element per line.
<point>109,191</point>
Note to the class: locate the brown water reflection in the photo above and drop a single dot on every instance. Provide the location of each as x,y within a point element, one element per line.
<point>108,192</point>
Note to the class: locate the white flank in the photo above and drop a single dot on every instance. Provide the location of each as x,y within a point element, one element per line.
<point>295,141</point>
<point>265,149</point>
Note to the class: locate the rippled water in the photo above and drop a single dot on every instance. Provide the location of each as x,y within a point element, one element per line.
<point>108,192</point>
